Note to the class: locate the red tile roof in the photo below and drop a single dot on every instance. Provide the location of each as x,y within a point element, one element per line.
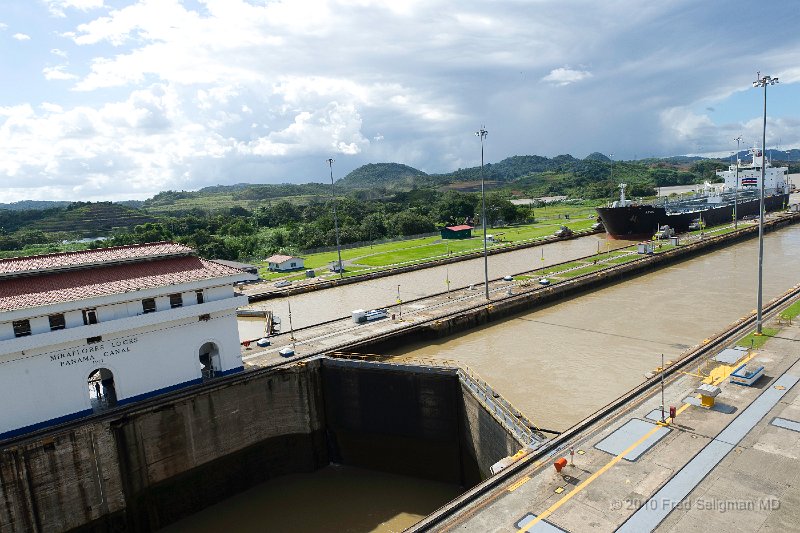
<point>459,228</point>
<point>39,264</point>
<point>56,287</point>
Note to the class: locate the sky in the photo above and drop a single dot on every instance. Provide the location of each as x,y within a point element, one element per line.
<point>117,100</point>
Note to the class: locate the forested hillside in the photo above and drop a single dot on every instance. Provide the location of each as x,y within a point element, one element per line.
<point>373,202</point>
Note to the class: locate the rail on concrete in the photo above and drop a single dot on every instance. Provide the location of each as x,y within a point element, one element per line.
<point>722,339</point>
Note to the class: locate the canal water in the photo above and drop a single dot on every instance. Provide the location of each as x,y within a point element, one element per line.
<point>557,365</point>
<point>336,498</point>
<point>561,363</point>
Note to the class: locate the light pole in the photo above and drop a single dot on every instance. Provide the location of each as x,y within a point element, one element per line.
<point>336,221</point>
<point>762,82</point>
<point>612,168</point>
<point>736,189</point>
<point>482,133</point>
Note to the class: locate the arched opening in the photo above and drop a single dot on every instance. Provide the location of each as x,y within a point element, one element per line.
<point>210,364</point>
<point>102,393</point>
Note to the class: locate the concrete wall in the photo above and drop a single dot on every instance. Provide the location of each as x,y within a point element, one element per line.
<point>141,469</point>
<point>483,439</point>
<point>384,417</point>
<point>420,421</point>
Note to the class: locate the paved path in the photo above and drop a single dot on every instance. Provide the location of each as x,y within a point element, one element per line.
<point>710,470</point>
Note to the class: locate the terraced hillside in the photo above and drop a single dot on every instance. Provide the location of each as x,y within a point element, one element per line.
<point>92,219</point>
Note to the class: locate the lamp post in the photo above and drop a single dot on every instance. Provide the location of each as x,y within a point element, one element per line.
<point>736,189</point>
<point>762,82</point>
<point>612,168</point>
<point>482,133</point>
<point>336,221</point>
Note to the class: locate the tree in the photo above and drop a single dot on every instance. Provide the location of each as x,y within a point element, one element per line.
<point>454,207</point>
<point>410,223</point>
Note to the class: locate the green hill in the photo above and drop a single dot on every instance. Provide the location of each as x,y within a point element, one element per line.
<point>388,175</point>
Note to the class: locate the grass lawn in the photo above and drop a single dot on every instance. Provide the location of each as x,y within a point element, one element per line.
<point>428,248</point>
<point>757,340</point>
<point>792,311</point>
<point>623,259</point>
<point>585,270</point>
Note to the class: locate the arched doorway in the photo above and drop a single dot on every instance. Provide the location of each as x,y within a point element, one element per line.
<point>102,393</point>
<point>210,364</point>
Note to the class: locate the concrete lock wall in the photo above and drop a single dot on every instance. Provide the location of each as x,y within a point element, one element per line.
<point>142,470</point>
<point>139,470</point>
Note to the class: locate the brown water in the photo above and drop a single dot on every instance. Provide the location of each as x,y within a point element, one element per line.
<point>557,365</point>
<point>336,498</point>
<point>561,363</point>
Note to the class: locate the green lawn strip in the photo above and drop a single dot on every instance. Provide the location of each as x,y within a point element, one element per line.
<point>585,270</point>
<point>623,259</point>
<point>792,311</point>
<point>757,341</point>
<point>437,251</point>
<point>428,248</point>
<point>557,268</point>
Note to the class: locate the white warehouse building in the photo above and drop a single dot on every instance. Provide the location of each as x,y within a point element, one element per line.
<point>85,331</point>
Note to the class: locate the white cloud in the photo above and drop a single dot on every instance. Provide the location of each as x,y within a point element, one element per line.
<point>3,26</point>
<point>58,8</point>
<point>22,37</point>
<point>566,75</point>
<point>57,73</point>
<point>179,94</point>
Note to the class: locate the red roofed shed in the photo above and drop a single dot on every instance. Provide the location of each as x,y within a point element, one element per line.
<point>457,232</point>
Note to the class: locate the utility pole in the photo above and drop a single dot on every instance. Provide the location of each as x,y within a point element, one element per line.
<point>482,133</point>
<point>736,190</point>
<point>762,82</point>
<point>336,221</point>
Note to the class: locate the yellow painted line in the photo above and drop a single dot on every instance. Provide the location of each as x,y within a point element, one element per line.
<point>517,484</point>
<point>553,508</point>
<point>550,510</point>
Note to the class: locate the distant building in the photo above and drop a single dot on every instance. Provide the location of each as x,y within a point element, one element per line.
<point>457,232</point>
<point>285,263</point>
<point>250,269</point>
<point>85,331</point>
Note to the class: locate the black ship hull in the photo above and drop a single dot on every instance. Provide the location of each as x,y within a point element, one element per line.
<point>636,222</point>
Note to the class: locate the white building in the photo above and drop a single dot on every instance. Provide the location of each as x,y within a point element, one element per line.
<point>285,263</point>
<point>84,331</point>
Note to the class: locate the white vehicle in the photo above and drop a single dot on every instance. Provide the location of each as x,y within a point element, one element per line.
<point>360,316</point>
<point>283,283</point>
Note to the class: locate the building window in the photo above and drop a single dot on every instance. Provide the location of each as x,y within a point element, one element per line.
<point>22,328</point>
<point>149,305</point>
<point>199,296</point>
<point>175,300</point>
<point>90,316</point>
<point>57,322</point>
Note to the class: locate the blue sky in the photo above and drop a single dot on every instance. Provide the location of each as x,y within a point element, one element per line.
<point>122,99</point>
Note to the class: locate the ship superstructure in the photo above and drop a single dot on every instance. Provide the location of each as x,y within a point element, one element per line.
<point>714,204</point>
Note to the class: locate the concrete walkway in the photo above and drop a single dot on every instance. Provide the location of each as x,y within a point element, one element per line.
<point>713,470</point>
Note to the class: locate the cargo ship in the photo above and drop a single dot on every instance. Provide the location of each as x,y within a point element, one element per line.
<point>714,204</point>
